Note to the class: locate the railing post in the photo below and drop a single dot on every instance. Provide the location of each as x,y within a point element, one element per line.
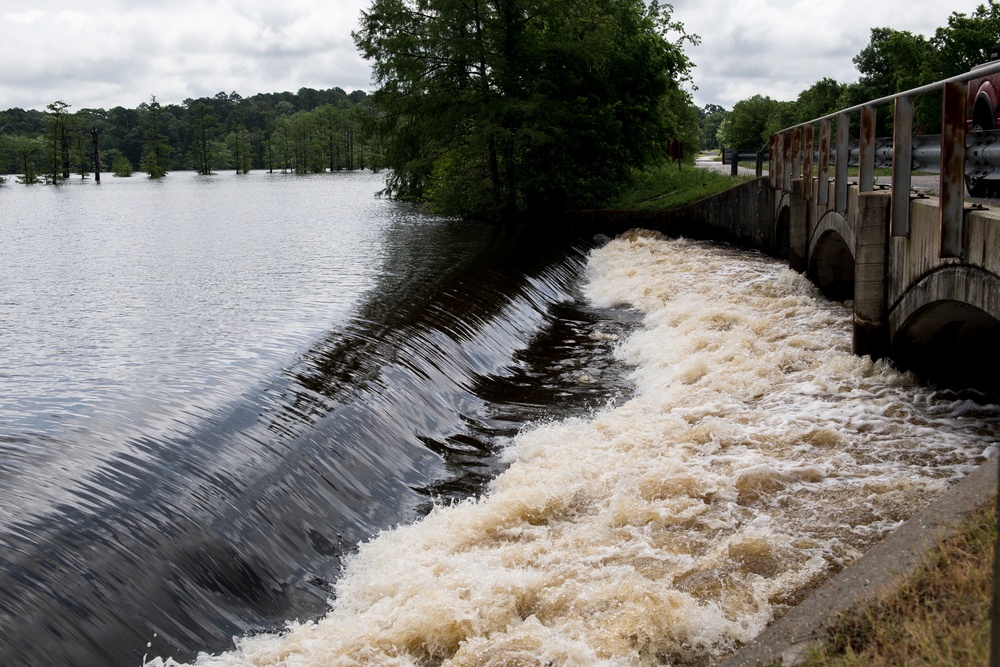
<point>798,228</point>
<point>952,169</point>
<point>866,166</point>
<point>734,167</point>
<point>807,166</point>
<point>786,168</point>
<point>772,161</point>
<point>760,164</point>
<point>823,186</point>
<point>902,164</point>
<point>840,173</point>
<point>797,153</point>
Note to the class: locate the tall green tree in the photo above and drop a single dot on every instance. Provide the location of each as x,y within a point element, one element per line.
<point>79,149</point>
<point>58,145</point>
<point>268,127</point>
<point>27,151</point>
<point>120,164</point>
<point>330,121</point>
<point>497,107</point>
<point>819,99</point>
<point>203,125</point>
<point>238,143</point>
<point>748,127</point>
<point>893,61</point>
<point>306,143</point>
<point>709,119</point>
<point>156,151</point>
<point>966,41</point>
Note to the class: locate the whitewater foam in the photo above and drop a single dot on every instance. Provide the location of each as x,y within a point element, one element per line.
<point>757,457</point>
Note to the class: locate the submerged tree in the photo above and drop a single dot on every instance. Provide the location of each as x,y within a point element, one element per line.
<point>492,108</point>
<point>121,166</point>
<point>238,143</point>
<point>27,151</point>
<point>156,151</point>
<point>58,148</point>
<point>203,125</point>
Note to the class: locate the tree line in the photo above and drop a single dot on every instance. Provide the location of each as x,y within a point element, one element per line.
<point>493,109</point>
<point>893,61</point>
<point>309,131</point>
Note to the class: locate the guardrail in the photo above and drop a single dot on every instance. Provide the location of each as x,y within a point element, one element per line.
<point>733,157</point>
<point>954,154</point>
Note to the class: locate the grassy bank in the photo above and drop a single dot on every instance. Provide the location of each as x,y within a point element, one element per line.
<point>940,616</point>
<point>666,187</point>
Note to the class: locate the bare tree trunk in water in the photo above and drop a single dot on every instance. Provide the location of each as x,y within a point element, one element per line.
<point>97,155</point>
<point>64,145</point>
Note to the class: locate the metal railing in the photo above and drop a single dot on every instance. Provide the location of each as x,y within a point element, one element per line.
<point>954,154</point>
<point>733,158</point>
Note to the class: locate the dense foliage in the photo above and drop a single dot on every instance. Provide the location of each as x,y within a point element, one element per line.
<point>892,62</point>
<point>493,108</point>
<point>308,131</point>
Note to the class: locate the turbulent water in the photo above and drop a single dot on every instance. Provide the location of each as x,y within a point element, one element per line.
<point>756,457</point>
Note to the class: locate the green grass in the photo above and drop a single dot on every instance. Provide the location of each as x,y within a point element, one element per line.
<point>939,616</point>
<point>665,187</point>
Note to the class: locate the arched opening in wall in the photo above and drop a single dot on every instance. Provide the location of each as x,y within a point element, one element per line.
<point>782,233</point>
<point>951,344</point>
<point>831,267</point>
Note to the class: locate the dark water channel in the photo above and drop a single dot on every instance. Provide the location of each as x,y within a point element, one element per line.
<point>211,389</point>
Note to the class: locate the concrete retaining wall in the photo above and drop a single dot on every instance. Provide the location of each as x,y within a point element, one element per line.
<point>740,215</point>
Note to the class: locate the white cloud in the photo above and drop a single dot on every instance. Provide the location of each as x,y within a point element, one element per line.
<point>110,52</point>
<point>779,48</point>
<point>104,53</point>
<point>22,18</point>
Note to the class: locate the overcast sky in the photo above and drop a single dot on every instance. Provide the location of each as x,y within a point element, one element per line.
<point>104,53</point>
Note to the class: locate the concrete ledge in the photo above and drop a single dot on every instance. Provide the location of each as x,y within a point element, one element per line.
<point>871,577</point>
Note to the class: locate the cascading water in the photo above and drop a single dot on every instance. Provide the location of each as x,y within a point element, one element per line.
<point>757,457</point>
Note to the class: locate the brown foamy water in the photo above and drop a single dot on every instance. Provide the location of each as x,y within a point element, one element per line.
<point>757,457</point>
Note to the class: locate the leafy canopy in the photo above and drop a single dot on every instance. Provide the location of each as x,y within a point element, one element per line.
<point>491,108</point>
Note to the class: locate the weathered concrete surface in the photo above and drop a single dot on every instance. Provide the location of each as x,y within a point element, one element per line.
<point>740,215</point>
<point>871,331</point>
<point>871,577</point>
<point>916,257</point>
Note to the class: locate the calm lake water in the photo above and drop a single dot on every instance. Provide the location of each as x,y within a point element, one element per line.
<point>275,420</point>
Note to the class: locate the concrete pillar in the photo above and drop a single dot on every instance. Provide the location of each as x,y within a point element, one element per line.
<point>798,229</point>
<point>871,318</point>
